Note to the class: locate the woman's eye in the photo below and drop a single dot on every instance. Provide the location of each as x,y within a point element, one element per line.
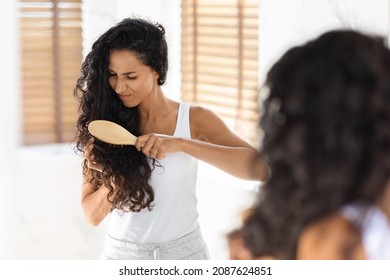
<point>131,77</point>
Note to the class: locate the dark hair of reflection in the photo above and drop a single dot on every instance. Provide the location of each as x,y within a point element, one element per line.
<point>326,124</point>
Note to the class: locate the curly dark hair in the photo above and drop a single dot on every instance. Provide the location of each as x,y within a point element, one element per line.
<point>124,166</point>
<point>264,238</point>
<point>326,124</point>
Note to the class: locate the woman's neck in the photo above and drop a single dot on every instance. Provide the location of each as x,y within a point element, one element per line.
<point>158,114</point>
<point>154,105</point>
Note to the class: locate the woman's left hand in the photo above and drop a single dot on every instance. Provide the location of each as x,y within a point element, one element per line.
<point>90,157</point>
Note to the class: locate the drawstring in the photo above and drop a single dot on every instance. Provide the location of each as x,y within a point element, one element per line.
<point>156,253</point>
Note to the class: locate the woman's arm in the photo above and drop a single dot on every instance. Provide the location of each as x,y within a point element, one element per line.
<point>212,142</point>
<point>94,200</point>
<point>241,162</point>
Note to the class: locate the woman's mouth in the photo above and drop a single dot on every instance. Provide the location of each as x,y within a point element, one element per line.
<point>125,97</point>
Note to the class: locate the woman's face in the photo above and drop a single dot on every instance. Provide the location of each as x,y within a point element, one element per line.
<point>130,78</point>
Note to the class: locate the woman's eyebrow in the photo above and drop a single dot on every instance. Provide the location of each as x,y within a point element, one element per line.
<point>126,73</point>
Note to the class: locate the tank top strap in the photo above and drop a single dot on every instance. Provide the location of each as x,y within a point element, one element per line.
<point>183,121</point>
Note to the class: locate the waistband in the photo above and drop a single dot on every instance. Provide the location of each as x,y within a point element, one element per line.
<point>181,248</point>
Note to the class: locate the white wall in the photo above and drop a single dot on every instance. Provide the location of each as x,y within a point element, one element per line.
<point>52,222</point>
<point>287,23</point>
<point>10,135</point>
<point>98,16</point>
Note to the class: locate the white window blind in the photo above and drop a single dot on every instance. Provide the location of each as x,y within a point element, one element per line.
<point>51,40</point>
<point>220,60</point>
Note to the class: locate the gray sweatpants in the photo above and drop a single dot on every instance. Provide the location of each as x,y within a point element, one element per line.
<point>188,247</point>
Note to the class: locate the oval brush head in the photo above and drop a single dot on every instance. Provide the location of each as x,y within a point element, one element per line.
<point>111,133</point>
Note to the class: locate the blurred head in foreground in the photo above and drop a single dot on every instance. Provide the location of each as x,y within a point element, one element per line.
<point>326,125</point>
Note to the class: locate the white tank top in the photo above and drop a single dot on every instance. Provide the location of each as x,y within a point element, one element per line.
<point>175,205</point>
<point>374,226</point>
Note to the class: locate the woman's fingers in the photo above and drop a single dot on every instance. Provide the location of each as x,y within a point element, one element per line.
<point>160,154</point>
<point>153,152</point>
<point>90,157</point>
<point>88,152</point>
<point>149,145</point>
<point>95,166</point>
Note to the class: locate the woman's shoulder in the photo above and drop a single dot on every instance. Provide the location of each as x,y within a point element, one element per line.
<point>205,124</point>
<point>330,237</point>
<point>200,113</point>
<point>203,117</point>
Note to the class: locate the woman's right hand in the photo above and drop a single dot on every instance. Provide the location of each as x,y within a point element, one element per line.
<point>90,157</point>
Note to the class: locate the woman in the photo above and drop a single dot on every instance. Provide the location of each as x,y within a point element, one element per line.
<point>326,129</point>
<point>149,189</point>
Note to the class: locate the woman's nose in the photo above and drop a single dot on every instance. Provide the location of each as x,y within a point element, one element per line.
<point>120,86</point>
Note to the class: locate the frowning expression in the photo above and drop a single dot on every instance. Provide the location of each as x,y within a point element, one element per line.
<point>132,80</point>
